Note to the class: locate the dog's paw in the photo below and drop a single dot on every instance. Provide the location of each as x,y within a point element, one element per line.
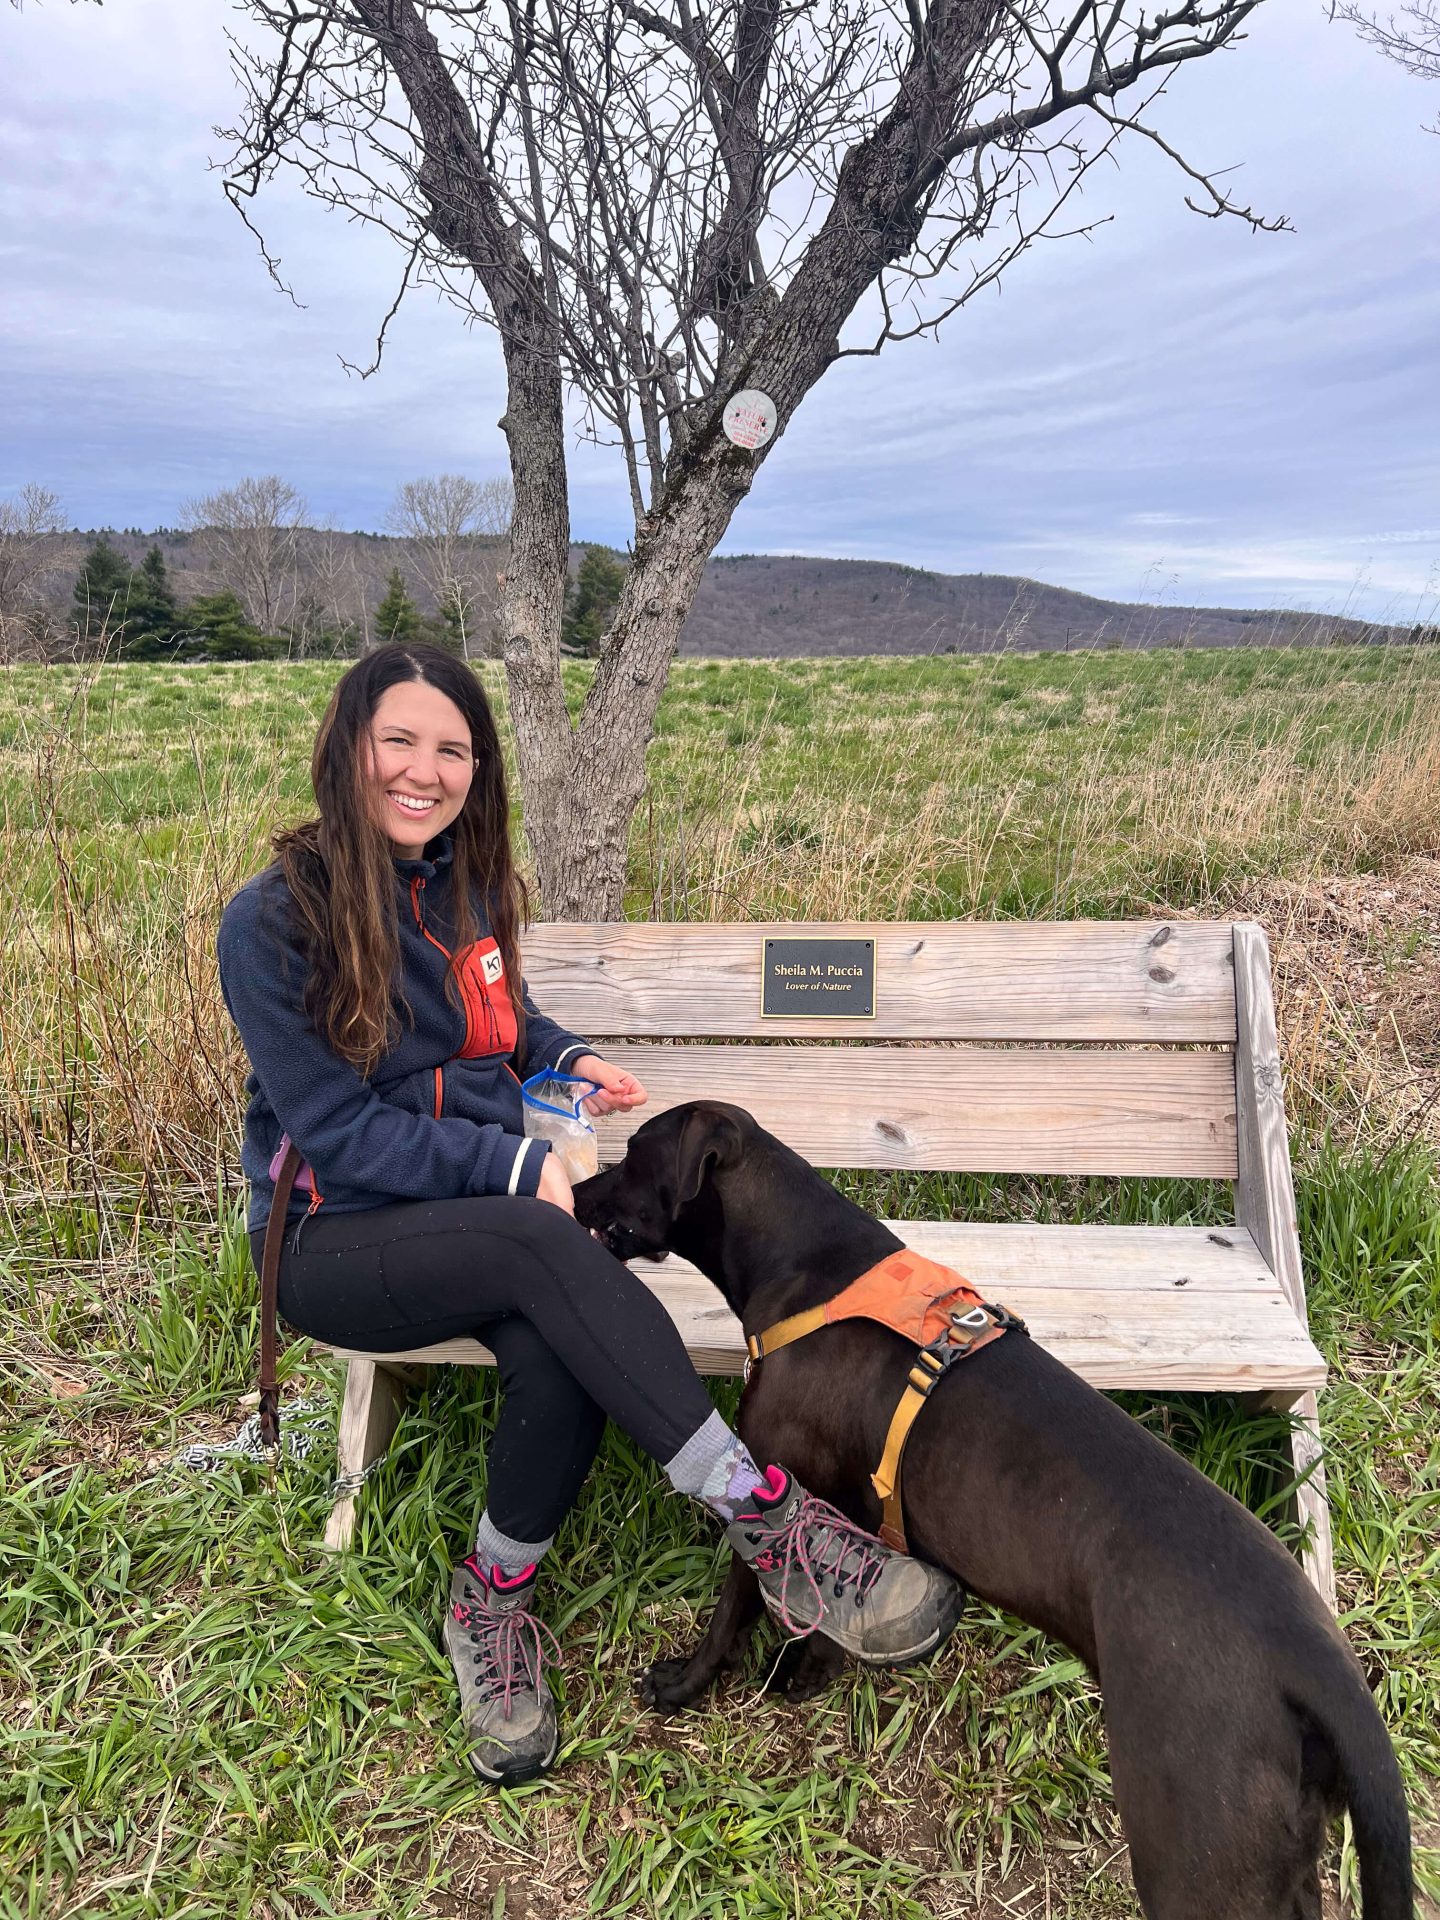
<point>805,1669</point>
<point>800,1688</point>
<point>663,1687</point>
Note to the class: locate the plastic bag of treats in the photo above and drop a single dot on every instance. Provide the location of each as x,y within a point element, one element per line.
<point>552,1112</point>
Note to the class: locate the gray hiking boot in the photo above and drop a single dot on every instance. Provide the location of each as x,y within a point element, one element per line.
<point>497,1648</point>
<point>818,1571</point>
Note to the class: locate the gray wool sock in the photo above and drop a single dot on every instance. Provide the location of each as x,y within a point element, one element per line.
<point>496,1549</point>
<point>715,1466</point>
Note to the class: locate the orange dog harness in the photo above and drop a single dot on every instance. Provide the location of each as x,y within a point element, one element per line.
<point>930,1305</point>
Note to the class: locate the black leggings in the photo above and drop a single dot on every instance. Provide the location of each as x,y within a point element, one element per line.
<point>577,1336</point>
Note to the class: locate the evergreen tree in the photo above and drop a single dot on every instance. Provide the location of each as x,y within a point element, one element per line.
<point>215,628</point>
<point>102,592</point>
<point>397,617</point>
<point>590,601</point>
<point>152,617</point>
<point>448,628</point>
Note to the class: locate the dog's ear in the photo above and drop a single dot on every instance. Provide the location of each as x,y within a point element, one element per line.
<point>709,1138</point>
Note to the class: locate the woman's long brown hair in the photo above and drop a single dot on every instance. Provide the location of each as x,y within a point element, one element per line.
<point>340,867</point>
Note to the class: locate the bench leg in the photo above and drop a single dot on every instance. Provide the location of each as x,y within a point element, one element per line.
<point>1312,1503</point>
<point>374,1401</point>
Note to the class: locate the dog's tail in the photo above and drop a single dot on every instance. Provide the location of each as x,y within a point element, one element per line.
<point>1329,1691</point>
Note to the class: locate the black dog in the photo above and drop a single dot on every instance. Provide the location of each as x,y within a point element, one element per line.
<point>1239,1720</point>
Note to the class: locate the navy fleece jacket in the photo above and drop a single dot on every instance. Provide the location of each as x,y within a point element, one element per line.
<point>441,1115</point>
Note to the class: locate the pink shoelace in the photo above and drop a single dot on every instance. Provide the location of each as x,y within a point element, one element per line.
<point>846,1554</point>
<point>512,1649</point>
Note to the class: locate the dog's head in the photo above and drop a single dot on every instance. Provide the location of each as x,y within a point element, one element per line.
<point>668,1167</point>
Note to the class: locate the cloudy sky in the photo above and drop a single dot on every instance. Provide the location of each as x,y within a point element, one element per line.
<point>1174,409</point>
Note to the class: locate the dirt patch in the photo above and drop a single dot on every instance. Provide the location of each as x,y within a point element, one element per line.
<point>1355,960</point>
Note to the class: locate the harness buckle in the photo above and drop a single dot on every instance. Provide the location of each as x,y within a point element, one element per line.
<point>943,1353</point>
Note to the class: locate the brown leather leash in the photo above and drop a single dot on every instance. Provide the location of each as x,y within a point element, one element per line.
<point>269,1293</point>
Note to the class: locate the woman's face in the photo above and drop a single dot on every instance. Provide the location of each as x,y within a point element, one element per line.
<point>421,764</point>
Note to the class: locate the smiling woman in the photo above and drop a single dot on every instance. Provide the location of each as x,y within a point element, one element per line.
<point>421,763</point>
<point>373,973</point>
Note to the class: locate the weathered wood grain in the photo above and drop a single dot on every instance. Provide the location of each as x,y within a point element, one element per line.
<point>1013,1110</point>
<point>374,1400</point>
<point>935,980</point>
<point>1172,1308</point>
<point>1265,1205</point>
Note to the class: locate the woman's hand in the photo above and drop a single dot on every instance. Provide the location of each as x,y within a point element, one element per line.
<point>619,1091</point>
<point>555,1185</point>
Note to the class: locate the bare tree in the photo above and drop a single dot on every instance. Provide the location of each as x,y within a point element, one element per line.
<point>660,205</point>
<point>332,604</point>
<point>30,555</point>
<point>1413,40</point>
<point>249,533</point>
<point>457,529</point>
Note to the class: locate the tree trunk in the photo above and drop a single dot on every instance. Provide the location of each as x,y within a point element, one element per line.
<point>582,785</point>
<point>532,601</point>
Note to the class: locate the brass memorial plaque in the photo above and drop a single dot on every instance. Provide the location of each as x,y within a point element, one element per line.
<point>817,979</point>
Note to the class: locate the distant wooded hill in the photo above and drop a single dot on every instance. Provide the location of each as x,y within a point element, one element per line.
<point>766,605</point>
<point>771,604</point>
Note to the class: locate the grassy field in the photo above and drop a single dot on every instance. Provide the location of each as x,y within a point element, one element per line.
<point>203,1715</point>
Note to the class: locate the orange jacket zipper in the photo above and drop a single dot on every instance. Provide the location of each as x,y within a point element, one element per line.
<point>417,887</point>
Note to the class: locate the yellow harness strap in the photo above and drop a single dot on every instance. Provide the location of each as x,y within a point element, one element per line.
<point>886,1477</point>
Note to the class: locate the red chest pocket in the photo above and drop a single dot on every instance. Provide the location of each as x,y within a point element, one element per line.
<point>489,1013</point>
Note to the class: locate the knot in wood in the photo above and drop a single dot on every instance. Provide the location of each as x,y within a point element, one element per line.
<point>1267,1079</point>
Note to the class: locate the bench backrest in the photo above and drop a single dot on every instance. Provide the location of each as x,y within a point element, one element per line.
<point>1087,1047</point>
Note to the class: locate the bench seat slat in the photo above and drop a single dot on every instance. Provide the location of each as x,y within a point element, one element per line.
<point>1119,1318</point>
<point>980,1110</point>
<point>937,980</point>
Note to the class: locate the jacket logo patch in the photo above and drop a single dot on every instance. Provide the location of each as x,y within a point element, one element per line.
<point>494,967</point>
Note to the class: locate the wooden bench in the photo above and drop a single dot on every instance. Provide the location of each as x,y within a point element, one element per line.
<point>1132,1047</point>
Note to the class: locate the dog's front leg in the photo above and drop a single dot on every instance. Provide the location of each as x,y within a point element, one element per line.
<point>672,1684</point>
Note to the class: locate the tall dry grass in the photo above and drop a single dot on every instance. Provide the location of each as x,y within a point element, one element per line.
<point>119,1070</point>
<point>1056,824</point>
